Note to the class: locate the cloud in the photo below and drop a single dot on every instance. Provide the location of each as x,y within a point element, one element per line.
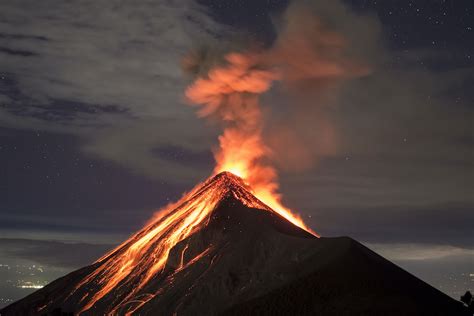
<point>52,253</point>
<point>112,67</point>
<point>110,53</point>
<point>415,252</point>
<point>320,47</point>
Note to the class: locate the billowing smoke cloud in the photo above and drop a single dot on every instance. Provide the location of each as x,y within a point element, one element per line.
<point>230,94</point>
<point>310,59</point>
<point>315,58</point>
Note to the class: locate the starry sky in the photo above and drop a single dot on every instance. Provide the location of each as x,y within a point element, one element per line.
<point>95,134</point>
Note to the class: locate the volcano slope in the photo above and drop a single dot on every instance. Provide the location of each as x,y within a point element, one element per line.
<point>237,258</point>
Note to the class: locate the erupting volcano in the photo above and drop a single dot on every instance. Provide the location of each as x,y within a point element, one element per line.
<point>221,250</point>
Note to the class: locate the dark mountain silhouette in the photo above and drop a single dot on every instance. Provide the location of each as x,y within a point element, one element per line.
<point>242,258</point>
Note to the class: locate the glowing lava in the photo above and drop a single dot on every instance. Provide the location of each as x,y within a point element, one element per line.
<point>141,258</point>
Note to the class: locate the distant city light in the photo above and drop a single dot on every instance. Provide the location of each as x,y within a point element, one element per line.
<point>30,286</point>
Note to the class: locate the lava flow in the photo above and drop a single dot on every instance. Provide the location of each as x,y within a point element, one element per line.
<point>143,256</point>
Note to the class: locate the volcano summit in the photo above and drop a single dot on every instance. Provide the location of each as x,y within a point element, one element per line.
<point>220,250</point>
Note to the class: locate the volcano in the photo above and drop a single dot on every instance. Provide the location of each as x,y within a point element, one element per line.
<point>222,251</point>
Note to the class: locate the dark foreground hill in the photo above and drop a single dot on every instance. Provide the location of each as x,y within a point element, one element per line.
<point>241,258</point>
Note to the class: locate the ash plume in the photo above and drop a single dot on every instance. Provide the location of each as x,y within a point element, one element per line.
<point>310,60</point>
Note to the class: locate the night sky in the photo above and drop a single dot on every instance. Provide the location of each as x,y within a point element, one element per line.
<point>95,134</point>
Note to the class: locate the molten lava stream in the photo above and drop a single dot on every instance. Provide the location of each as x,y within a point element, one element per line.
<point>143,256</point>
<point>167,233</point>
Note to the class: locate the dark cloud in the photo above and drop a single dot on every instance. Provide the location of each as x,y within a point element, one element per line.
<point>52,253</point>
<point>22,37</point>
<point>448,224</point>
<point>15,52</point>
<point>102,71</point>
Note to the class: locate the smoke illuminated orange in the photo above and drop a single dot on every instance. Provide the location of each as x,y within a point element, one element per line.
<point>230,93</point>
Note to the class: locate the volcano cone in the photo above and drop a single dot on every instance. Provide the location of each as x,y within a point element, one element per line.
<point>220,250</point>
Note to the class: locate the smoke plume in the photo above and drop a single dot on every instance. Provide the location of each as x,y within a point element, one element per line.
<point>310,60</point>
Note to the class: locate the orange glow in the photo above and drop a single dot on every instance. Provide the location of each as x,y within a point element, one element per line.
<point>230,94</point>
<point>239,155</point>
